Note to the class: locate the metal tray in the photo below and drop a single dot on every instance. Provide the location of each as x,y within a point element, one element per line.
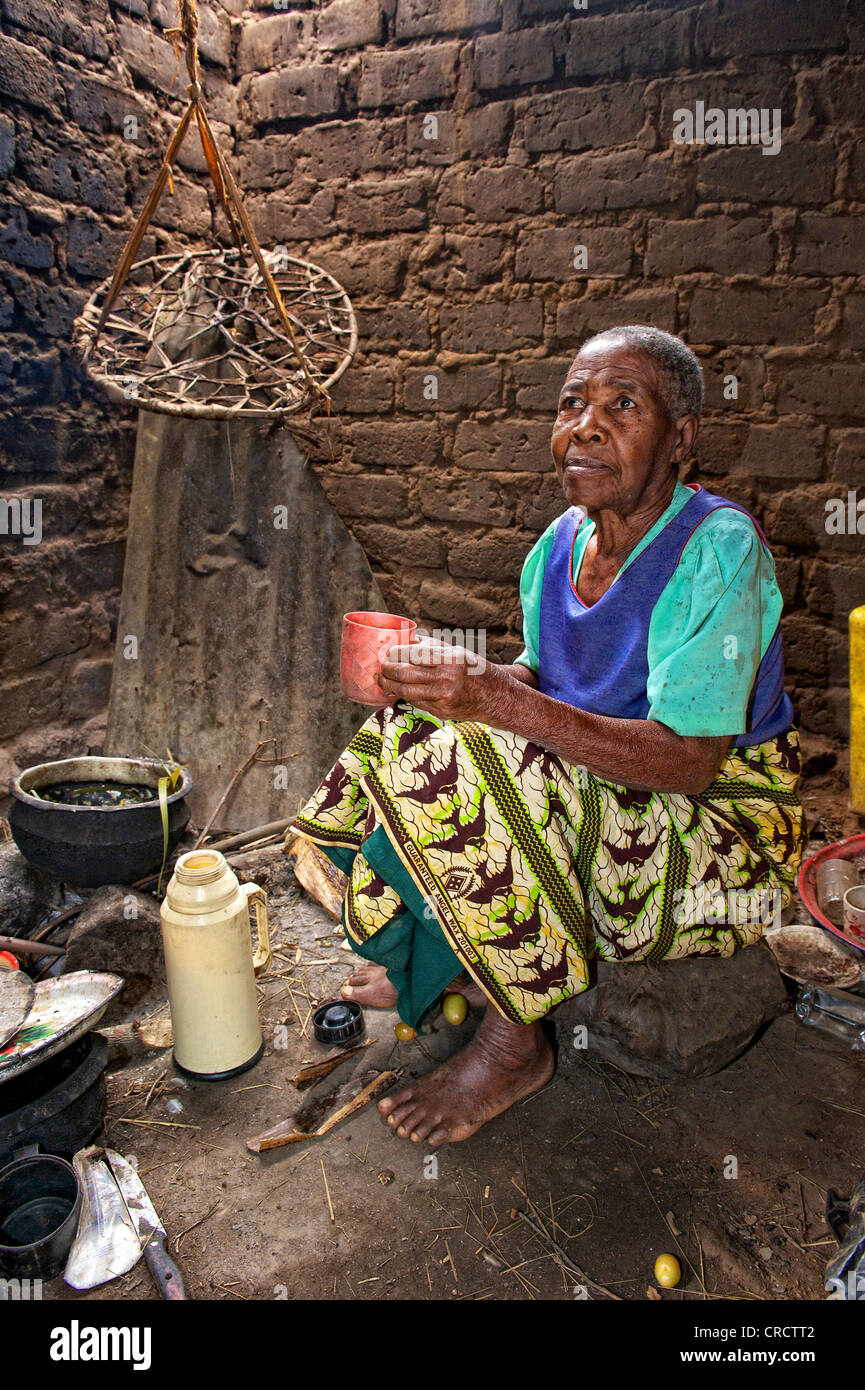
<point>16,1000</point>
<point>63,1009</point>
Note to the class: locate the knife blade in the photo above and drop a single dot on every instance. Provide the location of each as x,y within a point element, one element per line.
<point>151,1231</point>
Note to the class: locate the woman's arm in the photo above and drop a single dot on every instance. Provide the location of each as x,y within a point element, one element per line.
<point>639,753</point>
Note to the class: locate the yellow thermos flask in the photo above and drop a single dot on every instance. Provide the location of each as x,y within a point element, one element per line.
<point>857,709</point>
<point>210,966</point>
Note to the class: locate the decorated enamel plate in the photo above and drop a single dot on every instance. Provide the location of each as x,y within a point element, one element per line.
<point>62,1010</point>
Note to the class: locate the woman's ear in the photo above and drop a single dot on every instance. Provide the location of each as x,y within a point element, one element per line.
<point>687,429</point>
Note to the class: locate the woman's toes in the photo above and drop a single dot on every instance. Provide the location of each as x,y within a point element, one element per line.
<point>425,1125</point>
<point>438,1136</point>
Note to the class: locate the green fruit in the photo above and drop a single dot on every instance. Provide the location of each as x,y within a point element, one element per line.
<point>404,1032</point>
<point>455,1008</point>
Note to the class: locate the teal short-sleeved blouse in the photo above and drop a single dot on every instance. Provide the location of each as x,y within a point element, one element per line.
<point>709,629</point>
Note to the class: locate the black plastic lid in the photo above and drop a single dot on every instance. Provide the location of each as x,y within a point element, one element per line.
<point>339,1020</point>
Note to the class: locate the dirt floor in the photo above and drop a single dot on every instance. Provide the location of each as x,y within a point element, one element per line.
<point>612,1169</point>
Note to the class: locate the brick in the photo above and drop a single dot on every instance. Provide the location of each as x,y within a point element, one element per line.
<point>535,511</point>
<point>265,43</point>
<point>624,45</point>
<point>27,75</point>
<point>515,59</point>
<point>725,245</point>
<point>847,459</point>
<point>367,494</point>
<point>504,445</point>
<point>366,267</point>
<point>485,130</point>
<point>449,604</point>
<point>578,318</point>
<point>612,181</point>
<point>96,105</point>
<point>782,451</point>
<point>453,498</point>
<point>49,309</point>
<point>750,374</point>
<point>431,138</point>
<point>75,175</point>
<point>402,324</point>
<point>805,647</point>
<point>92,248</point>
<point>349,24</point>
<point>285,217</point>
<point>829,245</point>
<point>7,146</point>
<point>294,93</point>
<point>393,546</point>
<point>498,557</point>
<point>549,253</point>
<point>150,56</point>
<point>830,390</point>
<point>364,391</point>
<point>389,205</point>
<point>400,444</point>
<point>70,25</point>
<point>576,120</point>
<point>834,589</point>
<point>796,174</point>
<point>214,30</point>
<point>490,195</point>
<point>539,382</point>
<point>86,690</point>
<point>417,19</point>
<point>267,162</point>
<point>409,74</point>
<point>19,244</point>
<point>29,702</point>
<point>797,520</point>
<point>787,573</point>
<point>753,315</point>
<point>30,638</point>
<point>191,154</point>
<point>853,321</point>
<point>492,327</point>
<point>751,28</point>
<point>855,188</point>
<point>481,256</point>
<point>188,211</point>
<point>718,447</point>
<point>728,91</point>
<point>350,147</point>
<point>464,388</point>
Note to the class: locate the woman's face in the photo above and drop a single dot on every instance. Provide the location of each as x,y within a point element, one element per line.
<point>613,442</point>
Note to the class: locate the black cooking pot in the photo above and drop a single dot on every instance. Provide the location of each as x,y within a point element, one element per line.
<point>91,845</point>
<point>39,1204</point>
<point>59,1105</point>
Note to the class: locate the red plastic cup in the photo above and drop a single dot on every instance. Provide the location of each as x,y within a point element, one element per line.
<point>366,640</point>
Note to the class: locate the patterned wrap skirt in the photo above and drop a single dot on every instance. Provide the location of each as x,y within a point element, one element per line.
<point>472,849</point>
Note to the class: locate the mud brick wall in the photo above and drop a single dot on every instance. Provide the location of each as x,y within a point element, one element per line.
<point>444,158</point>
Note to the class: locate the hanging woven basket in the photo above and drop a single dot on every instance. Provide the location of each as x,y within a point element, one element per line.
<point>215,334</point>
<point>195,334</point>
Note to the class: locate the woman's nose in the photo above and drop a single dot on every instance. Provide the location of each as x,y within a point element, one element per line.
<point>587,425</point>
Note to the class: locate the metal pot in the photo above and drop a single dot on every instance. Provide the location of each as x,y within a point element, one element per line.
<point>39,1204</point>
<point>91,845</point>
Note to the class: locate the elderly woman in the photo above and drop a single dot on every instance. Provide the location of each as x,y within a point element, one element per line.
<point>500,825</point>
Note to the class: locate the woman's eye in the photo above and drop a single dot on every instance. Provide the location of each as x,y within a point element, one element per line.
<point>625,400</point>
<point>571,403</point>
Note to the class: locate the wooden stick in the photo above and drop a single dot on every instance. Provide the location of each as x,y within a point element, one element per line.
<point>238,773</point>
<point>22,947</point>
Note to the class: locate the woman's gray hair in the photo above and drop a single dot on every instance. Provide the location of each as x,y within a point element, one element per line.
<point>680,372</point>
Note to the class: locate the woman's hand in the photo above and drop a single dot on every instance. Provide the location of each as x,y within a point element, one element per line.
<point>447,681</point>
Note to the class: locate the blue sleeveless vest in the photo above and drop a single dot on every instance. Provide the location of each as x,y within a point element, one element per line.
<point>597,658</point>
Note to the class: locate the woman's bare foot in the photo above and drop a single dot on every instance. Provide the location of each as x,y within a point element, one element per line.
<point>370,987</point>
<point>503,1063</point>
